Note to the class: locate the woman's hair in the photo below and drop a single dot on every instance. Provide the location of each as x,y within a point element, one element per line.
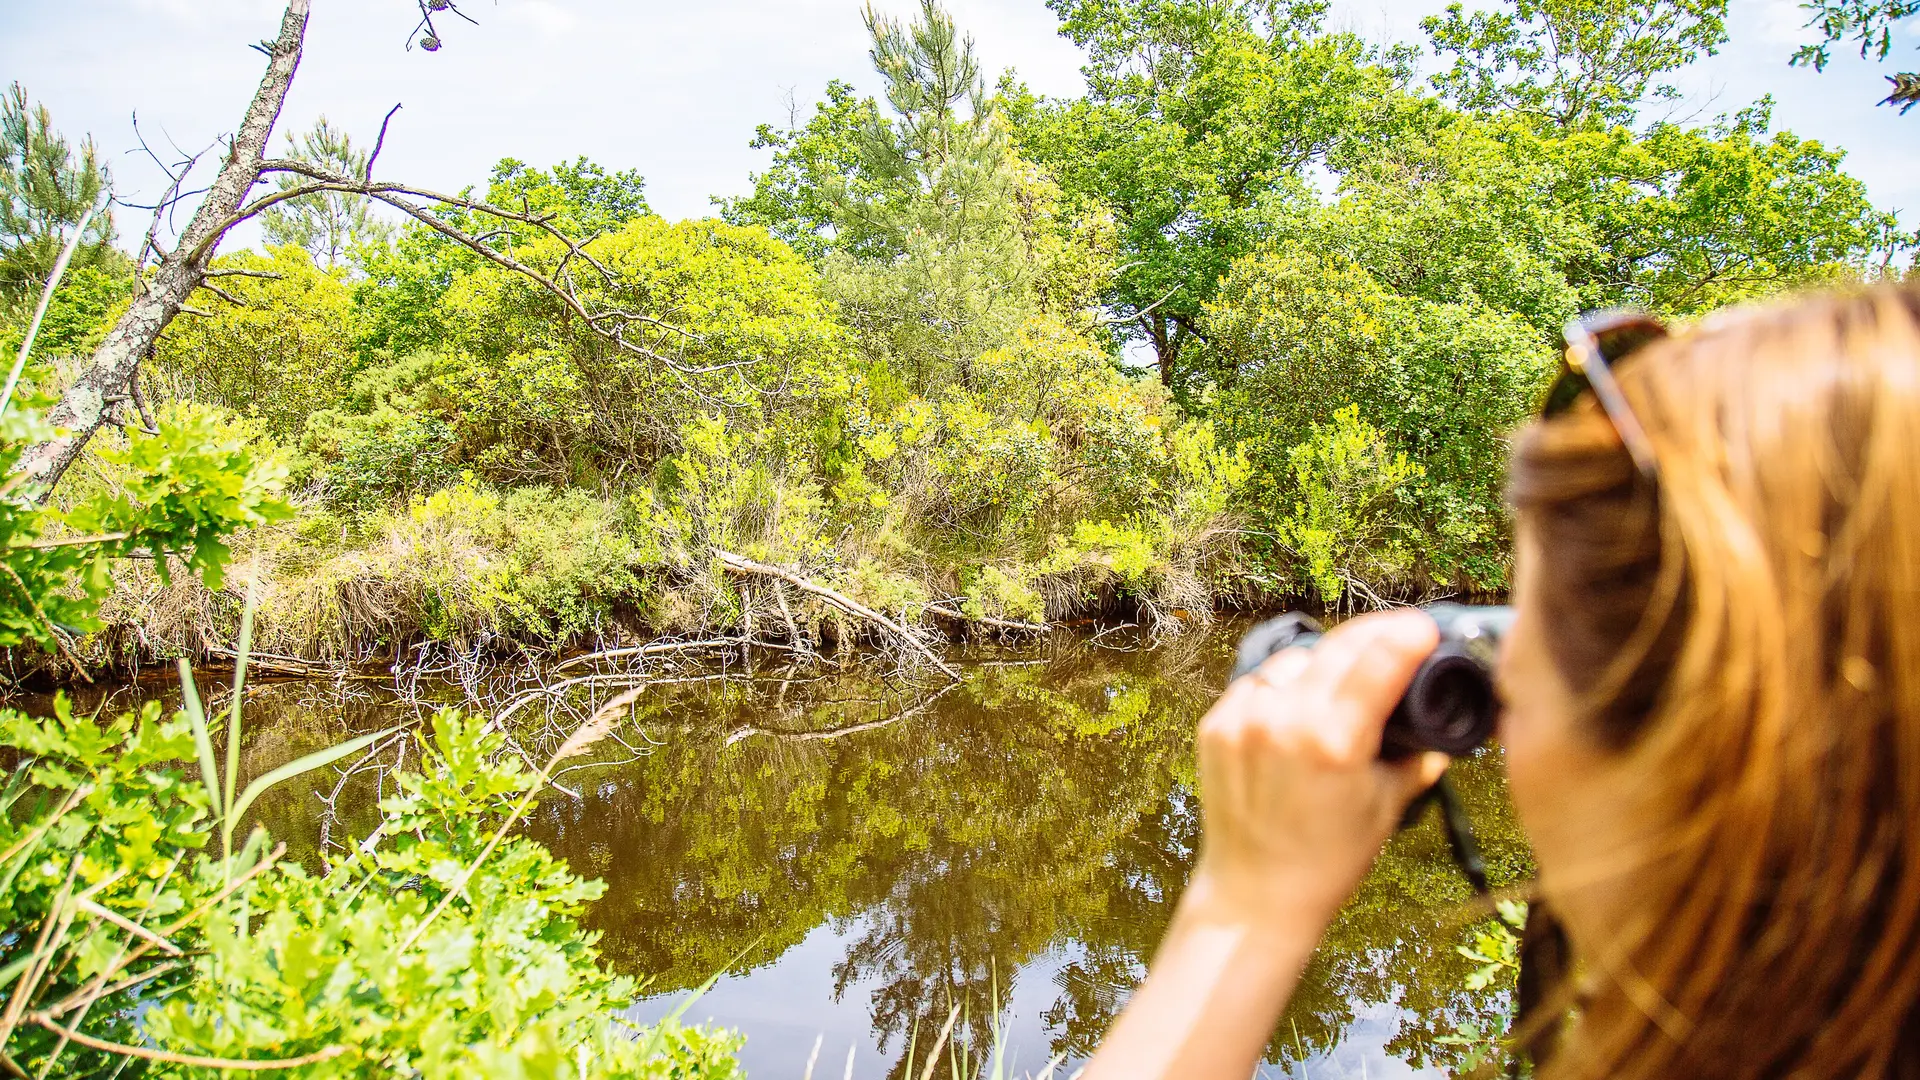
<point>1743,635</point>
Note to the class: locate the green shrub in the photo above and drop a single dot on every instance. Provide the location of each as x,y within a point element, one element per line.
<point>433,951</point>
<point>1354,519</point>
<point>1442,383</point>
<point>287,353</point>
<point>84,308</point>
<point>368,458</point>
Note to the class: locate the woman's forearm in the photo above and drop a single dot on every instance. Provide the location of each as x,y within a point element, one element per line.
<point>1296,805</point>
<point>1216,988</point>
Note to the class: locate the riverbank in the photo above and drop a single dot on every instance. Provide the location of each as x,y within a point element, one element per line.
<point>486,574</point>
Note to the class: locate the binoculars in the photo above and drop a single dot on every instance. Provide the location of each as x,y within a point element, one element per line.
<point>1450,705</point>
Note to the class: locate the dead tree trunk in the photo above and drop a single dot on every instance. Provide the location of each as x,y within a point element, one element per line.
<point>83,407</point>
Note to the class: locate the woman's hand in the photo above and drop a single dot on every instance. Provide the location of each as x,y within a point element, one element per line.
<point>1296,807</point>
<point>1297,803</point>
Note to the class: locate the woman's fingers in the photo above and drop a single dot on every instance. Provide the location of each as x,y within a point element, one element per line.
<point>1361,668</point>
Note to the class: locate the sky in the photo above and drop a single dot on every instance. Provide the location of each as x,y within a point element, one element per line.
<point>675,90</point>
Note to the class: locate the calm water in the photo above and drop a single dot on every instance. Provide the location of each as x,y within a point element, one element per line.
<point>875,854</point>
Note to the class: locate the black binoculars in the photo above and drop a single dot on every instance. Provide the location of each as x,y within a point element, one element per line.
<point>1450,705</point>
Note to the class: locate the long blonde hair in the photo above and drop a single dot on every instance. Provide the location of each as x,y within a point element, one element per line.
<point>1744,636</point>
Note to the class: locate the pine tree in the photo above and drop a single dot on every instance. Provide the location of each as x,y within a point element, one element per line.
<point>331,224</point>
<point>44,192</point>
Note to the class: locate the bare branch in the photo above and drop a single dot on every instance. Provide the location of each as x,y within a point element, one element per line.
<point>378,143</point>
<point>223,294</point>
<point>610,325</point>
<point>237,1064</point>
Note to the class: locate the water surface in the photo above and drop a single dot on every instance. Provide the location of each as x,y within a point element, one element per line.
<point>874,852</point>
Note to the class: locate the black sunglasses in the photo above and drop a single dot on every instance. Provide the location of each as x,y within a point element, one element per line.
<point>1596,343</point>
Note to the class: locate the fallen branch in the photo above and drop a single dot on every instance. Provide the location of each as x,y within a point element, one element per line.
<point>597,677</point>
<point>656,648</point>
<point>986,620</point>
<point>272,664</point>
<point>842,732</point>
<point>745,566</point>
<point>100,911</point>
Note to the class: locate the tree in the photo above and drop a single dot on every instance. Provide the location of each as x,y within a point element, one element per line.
<point>328,224</point>
<point>937,238</point>
<point>583,198</point>
<point>1308,332</point>
<point>282,351</point>
<point>407,279</point>
<point>84,406</point>
<point>1200,125</point>
<point>1871,23</point>
<point>817,172</point>
<point>1685,220</point>
<point>44,192</point>
<point>1572,63</point>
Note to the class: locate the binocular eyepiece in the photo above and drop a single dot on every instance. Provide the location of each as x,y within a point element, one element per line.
<point>1450,705</point>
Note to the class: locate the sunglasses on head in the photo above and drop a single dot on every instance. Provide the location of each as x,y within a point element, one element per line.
<point>1596,343</point>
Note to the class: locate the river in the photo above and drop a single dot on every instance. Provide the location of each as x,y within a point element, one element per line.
<point>859,854</point>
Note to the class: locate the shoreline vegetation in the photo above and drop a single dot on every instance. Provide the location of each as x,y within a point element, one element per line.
<point>964,361</point>
<point>1248,322</point>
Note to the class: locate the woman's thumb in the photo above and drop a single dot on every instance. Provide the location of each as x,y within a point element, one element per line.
<point>1418,773</point>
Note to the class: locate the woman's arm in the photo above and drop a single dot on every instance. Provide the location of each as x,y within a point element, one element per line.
<point>1296,805</point>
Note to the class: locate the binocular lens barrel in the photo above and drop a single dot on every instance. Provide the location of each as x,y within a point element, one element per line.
<point>1450,705</point>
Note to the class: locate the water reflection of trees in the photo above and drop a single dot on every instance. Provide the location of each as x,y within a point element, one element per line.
<point>1034,806</point>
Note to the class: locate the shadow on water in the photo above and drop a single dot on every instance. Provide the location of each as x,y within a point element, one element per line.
<point>1012,847</point>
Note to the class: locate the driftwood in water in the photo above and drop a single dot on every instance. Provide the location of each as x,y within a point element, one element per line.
<point>291,667</point>
<point>748,567</point>
<point>656,648</point>
<point>987,620</point>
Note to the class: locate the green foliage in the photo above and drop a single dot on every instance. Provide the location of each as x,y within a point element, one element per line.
<point>584,199</point>
<point>405,281</point>
<point>738,491</point>
<point>182,492</point>
<point>1685,220</point>
<point>285,352</point>
<point>1572,63</point>
<point>467,562</point>
<point>1200,124</point>
<point>344,965</point>
<point>1496,948</point>
<point>1352,504</point>
<point>1870,22</point>
<point>815,174</point>
<point>331,226</point>
<point>367,458</point>
<point>85,306</point>
<point>44,193</point>
<point>1308,335</point>
<point>531,394</point>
